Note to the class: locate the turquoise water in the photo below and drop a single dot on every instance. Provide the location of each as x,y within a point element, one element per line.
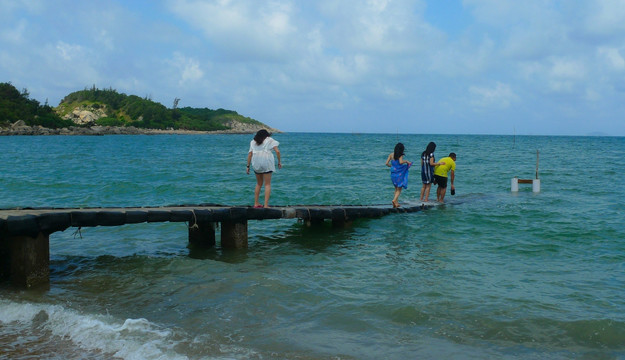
<point>491,274</point>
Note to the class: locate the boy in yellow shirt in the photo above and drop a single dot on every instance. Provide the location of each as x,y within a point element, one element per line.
<point>440,176</point>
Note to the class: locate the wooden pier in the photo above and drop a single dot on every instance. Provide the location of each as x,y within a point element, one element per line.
<point>25,232</point>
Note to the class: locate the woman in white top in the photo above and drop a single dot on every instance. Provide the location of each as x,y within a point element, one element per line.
<point>262,161</point>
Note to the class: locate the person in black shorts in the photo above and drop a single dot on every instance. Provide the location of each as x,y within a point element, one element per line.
<point>441,181</point>
<point>440,176</point>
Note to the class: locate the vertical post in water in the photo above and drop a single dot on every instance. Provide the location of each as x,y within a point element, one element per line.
<point>536,164</point>
<point>30,259</point>
<point>202,234</point>
<point>313,222</point>
<point>536,182</point>
<point>536,185</point>
<point>514,184</point>
<point>234,234</point>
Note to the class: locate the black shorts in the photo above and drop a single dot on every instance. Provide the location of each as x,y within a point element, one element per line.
<point>441,181</point>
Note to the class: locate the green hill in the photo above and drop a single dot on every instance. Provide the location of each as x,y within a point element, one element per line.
<point>107,107</point>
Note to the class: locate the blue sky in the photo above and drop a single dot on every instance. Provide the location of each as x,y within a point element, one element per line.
<point>536,67</point>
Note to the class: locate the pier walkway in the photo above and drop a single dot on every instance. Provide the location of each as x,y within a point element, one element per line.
<point>25,232</point>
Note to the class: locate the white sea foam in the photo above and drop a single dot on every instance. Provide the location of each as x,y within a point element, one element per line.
<point>132,339</point>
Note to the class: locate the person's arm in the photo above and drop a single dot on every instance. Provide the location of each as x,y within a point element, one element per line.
<point>249,161</point>
<point>388,160</point>
<point>275,148</point>
<point>452,177</point>
<point>432,163</point>
<point>403,161</point>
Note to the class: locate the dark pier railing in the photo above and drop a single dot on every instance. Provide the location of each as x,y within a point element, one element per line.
<point>25,242</point>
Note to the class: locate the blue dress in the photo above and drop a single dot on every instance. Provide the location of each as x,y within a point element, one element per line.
<point>399,174</point>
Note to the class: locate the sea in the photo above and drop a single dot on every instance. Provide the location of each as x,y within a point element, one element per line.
<point>491,274</point>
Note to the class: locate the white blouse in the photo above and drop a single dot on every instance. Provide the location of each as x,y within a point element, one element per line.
<point>262,157</point>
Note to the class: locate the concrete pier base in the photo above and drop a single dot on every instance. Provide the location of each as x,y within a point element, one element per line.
<point>234,234</point>
<point>202,234</point>
<point>30,260</point>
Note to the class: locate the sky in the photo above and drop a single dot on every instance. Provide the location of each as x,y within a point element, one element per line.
<point>531,67</point>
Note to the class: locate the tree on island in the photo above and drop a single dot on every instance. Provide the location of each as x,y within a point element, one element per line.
<point>16,105</point>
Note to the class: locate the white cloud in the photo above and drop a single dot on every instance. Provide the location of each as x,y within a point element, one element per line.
<point>104,38</point>
<point>243,29</point>
<point>498,96</point>
<point>68,51</point>
<point>605,17</point>
<point>567,69</point>
<point>612,58</point>
<point>189,68</point>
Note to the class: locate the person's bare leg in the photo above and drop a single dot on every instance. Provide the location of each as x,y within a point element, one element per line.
<point>443,191</point>
<point>259,184</point>
<point>427,192</point>
<point>267,179</point>
<point>422,192</point>
<point>396,196</point>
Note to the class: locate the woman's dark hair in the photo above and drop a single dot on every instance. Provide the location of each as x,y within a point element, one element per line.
<point>399,151</point>
<point>429,149</point>
<point>261,135</point>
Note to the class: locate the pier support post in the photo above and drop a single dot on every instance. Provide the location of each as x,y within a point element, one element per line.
<point>5,258</point>
<point>30,259</point>
<point>234,234</point>
<point>514,184</point>
<point>313,222</point>
<point>341,223</point>
<point>202,234</point>
<point>536,185</point>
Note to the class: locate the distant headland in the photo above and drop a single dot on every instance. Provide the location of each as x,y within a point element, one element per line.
<point>106,112</point>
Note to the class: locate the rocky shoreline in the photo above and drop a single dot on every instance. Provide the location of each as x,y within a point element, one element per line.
<point>20,128</point>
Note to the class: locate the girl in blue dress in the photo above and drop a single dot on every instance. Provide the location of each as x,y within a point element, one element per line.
<point>399,171</point>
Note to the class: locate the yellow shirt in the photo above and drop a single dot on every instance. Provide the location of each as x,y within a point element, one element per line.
<point>442,170</point>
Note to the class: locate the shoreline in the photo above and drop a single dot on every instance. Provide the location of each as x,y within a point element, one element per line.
<point>118,130</point>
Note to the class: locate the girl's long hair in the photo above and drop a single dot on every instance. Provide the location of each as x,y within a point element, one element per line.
<point>429,149</point>
<point>399,151</point>
<point>261,135</point>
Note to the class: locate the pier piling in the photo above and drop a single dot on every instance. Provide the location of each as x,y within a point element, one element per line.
<point>234,234</point>
<point>29,259</point>
<point>202,234</point>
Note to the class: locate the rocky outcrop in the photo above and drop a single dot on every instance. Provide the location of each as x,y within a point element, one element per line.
<point>20,128</point>
<point>247,128</point>
<point>86,115</point>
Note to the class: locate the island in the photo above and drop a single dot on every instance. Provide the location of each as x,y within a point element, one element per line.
<point>96,111</point>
